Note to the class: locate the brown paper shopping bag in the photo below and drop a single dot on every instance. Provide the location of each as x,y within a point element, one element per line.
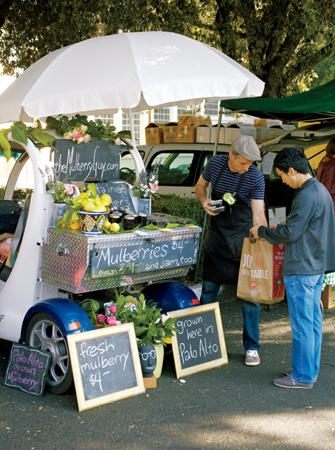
<point>260,278</point>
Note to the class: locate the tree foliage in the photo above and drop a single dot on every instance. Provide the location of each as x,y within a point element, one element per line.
<point>280,41</point>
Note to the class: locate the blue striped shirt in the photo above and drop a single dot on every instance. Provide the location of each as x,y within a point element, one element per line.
<point>252,187</point>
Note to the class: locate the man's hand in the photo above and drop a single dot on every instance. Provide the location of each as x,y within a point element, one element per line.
<point>207,208</point>
<point>254,231</point>
<point>200,192</point>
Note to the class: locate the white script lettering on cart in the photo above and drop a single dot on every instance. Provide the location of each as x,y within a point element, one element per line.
<point>73,165</point>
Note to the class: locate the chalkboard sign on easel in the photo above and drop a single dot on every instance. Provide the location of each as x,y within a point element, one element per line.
<point>99,159</point>
<point>119,192</point>
<point>27,369</point>
<point>106,365</point>
<point>200,344</point>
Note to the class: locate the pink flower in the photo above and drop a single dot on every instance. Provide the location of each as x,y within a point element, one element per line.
<point>111,321</point>
<point>83,128</point>
<point>118,141</point>
<point>113,309</point>
<point>68,189</point>
<point>153,187</point>
<point>77,134</point>
<point>101,318</point>
<point>164,318</point>
<point>80,140</point>
<point>87,138</point>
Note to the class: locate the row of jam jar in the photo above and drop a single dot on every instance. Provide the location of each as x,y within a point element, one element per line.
<point>131,219</point>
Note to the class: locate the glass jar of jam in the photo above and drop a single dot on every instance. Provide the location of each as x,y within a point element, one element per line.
<point>142,219</point>
<point>129,222</point>
<point>114,218</point>
<point>135,215</point>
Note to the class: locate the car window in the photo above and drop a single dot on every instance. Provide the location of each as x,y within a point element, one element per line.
<point>175,167</point>
<point>127,166</point>
<point>205,157</point>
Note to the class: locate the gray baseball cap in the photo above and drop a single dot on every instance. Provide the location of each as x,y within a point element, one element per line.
<point>246,147</point>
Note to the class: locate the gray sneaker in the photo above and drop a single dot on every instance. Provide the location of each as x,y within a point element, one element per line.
<point>288,382</point>
<point>252,358</point>
<point>289,371</point>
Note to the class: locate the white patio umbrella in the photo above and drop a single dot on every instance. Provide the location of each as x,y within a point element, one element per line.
<point>132,71</point>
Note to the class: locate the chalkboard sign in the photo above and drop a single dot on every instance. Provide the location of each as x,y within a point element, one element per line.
<point>129,259</point>
<point>27,369</point>
<point>106,365</point>
<point>118,191</point>
<point>200,344</point>
<point>91,160</point>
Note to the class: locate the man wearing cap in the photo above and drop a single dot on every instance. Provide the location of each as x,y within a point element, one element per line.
<point>234,174</point>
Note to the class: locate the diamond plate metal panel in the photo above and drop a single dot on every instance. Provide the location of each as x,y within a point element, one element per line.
<point>66,259</point>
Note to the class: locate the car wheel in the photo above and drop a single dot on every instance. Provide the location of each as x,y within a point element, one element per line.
<point>43,333</point>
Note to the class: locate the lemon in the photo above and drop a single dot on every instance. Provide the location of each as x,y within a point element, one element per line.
<point>89,206</point>
<point>99,208</point>
<point>75,224</point>
<point>105,199</point>
<point>63,224</point>
<point>115,227</point>
<point>107,224</point>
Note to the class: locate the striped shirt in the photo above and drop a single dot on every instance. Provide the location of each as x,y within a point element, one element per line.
<point>252,187</point>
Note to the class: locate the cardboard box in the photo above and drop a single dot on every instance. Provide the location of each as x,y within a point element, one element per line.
<point>170,132</point>
<point>186,129</point>
<point>275,212</point>
<point>266,123</point>
<point>277,216</point>
<point>328,297</point>
<point>196,120</point>
<point>203,133</point>
<point>154,134</point>
<point>233,130</point>
<point>5,247</point>
<point>214,131</point>
<point>277,130</point>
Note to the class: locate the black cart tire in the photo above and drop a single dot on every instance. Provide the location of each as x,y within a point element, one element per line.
<point>43,333</point>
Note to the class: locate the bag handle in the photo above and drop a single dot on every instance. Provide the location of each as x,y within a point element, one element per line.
<point>251,238</point>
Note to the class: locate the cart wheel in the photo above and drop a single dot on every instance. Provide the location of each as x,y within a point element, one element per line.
<point>43,333</point>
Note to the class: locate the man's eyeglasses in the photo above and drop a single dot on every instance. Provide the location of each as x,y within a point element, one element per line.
<point>277,175</point>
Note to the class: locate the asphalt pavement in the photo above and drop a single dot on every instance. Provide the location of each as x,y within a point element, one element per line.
<point>230,407</point>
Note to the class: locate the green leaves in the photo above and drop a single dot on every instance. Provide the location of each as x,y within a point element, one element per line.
<point>19,132</point>
<point>4,145</point>
<point>96,130</point>
<point>38,135</point>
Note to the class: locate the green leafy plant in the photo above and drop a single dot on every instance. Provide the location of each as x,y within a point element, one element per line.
<point>67,128</point>
<point>151,326</point>
<point>22,133</point>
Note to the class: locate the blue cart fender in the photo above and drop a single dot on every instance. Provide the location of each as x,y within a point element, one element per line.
<point>70,317</point>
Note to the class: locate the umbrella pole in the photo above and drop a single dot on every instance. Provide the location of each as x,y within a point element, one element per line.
<point>139,166</point>
<point>209,194</point>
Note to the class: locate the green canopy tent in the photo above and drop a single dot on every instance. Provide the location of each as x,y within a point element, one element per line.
<point>311,106</point>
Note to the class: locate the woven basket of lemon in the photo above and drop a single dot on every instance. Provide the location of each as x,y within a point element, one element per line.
<point>89,212</point>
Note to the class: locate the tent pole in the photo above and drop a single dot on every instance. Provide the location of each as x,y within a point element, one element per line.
<point>208,196</point>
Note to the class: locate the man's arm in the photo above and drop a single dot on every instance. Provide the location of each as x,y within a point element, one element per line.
<point>259,218</point>
<point>200,192</point>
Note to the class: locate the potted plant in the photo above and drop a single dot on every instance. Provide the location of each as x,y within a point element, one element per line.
<point>146,188</point>
<point>153,329</point>
<point>89,211</point>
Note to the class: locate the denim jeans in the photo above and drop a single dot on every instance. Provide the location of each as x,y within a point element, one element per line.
<point>250,315</point>
<point>304,305</point>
